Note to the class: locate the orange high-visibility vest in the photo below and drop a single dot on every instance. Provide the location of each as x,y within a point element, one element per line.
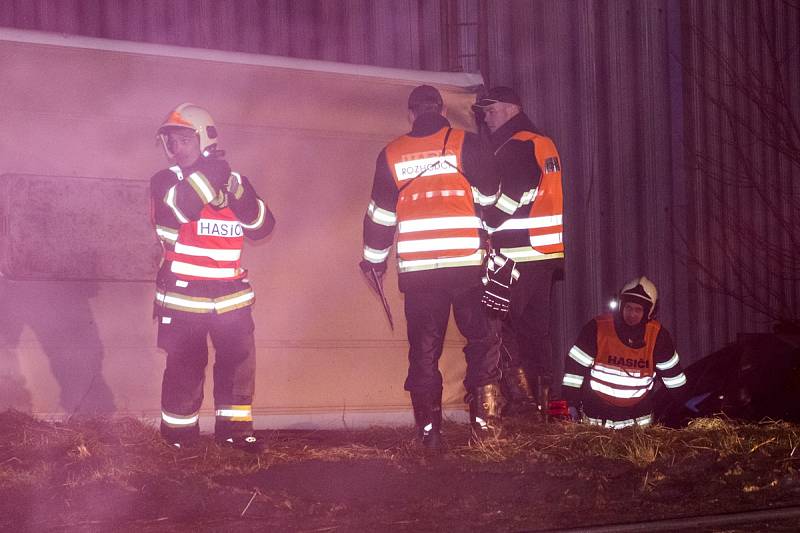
<point>545,220</point>
<point>437,223</point>
<point>622,375</point>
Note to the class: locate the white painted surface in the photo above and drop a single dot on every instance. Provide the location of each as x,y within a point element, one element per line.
<point>307,134</point>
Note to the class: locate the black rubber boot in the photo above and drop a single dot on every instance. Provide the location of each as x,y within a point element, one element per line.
<point>543,395</point>
<point>484,411</point>
<point>517,390</point>
<point>180,438</point>
<point>248,443</point>
<point>428,418</point>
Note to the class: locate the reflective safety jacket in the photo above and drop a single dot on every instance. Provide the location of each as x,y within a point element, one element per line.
<point>429,186</point>
<point>613,378</point>
<point>202,271</point>
<point>527,221</point>
<point>437,224</point>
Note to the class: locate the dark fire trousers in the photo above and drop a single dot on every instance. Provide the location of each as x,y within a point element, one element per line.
<point>427,313</point>
<point>186,342</point>
<point>527,342</point>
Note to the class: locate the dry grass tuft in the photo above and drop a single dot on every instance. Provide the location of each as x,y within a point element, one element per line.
<point>120,451</point>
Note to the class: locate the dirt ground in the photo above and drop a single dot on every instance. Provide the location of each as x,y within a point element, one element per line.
<point>116,475</point>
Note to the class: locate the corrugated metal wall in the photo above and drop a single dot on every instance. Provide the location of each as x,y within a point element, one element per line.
<point>612,83</point>
<point>742,95</point>
<point>388,33</point>
<point>597,77</point>
<point>607,79</point>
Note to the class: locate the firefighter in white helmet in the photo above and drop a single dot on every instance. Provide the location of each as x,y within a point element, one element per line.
<point>613,366</point>
<point>202,212</point>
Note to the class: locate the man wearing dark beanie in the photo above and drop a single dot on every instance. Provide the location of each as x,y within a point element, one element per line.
<point>429,187</point>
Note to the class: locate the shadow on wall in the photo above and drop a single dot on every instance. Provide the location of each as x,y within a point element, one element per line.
<point>58,314</point>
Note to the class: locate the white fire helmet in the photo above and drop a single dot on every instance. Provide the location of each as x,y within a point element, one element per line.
<point>640,290</point>
<point>191,117</point>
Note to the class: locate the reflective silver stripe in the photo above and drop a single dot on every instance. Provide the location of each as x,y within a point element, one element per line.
<point>262,213</point>
<point>201,185</point>
<point>572,380</point>
<point>530,222</point>
<point>528,196</point>
<point>620,377</point>
<point>674,382</point>
<point>515,223</point>
<point>433,245</point>
<point>433,194</point>
<point>506,204</point>
<point>166,234</point>
<point>176,300</point>
<point>617,371</point>
<point>545,240</point>
<point>669,364</point>
<point>169,199</point>
<point>177,420</point>
<point>641,421</point>
<point>438,223</point>
<point>376,256</point>
<point>179,267</point>
<point>446,262</point>
<point>214,253</point>
<point>526,253</point>
<point>205,305</point>
<point>482,199</point>
<point>381,216</point>
<point>581,357</point>
<point>618,393</point>
<point>222,305</point>
<point>236,412</point>
<point>547,221</point>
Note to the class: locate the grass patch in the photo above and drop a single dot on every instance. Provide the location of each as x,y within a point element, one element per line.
<point>91,449</point>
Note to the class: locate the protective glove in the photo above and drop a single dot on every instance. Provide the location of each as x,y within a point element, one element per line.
<point>500,274</point>
<point>220,201</point>
<point>231,191</point>
<point>215,169</point>
<point>368,268</point>
<point>217,173</point>
<point>235,187</point>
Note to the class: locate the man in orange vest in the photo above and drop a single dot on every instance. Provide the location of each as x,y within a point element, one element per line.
<point>525,226</point>
<point>429,187</point>
<point>202,212</point>
<point>613,365</point>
